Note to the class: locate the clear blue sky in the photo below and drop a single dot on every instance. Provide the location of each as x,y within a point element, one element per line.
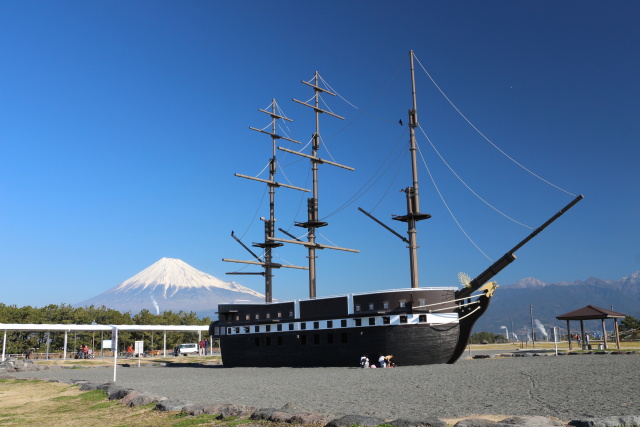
<point>122,123</point>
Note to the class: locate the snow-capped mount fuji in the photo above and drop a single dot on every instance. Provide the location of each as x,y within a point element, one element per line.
<point>172,284</point>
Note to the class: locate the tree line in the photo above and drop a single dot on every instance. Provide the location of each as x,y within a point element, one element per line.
<point>20,341</point>
<point>629,331</point>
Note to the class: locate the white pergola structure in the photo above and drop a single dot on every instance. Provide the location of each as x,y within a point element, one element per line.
<point>97,328</point>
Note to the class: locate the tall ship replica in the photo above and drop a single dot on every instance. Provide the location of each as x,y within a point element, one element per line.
<point>416,325</point>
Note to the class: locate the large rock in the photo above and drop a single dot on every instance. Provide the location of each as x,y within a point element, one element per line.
<point>625,421</point>
<point>308,418</point>
<point>230,410</point>
<point>169,405</point>
<point>263,413</point>
<point>355,420</point>
<point>428,422</point>
<point>136,398</point>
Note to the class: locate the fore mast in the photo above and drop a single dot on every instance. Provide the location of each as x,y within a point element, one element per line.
<point>413,214</point>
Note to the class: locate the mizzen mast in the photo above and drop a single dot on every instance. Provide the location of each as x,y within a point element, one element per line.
<point>269,224</point>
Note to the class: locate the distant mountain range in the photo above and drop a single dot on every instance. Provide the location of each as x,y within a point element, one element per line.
<point>511,303</point>
<point>172,284</point>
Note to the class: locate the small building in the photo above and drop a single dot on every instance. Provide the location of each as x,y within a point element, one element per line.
<point>591,312</point>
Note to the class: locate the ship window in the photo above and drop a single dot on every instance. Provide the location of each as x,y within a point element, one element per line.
<point>402,303</point>
<point>237,317</point>
<point>329,323</point>
<point>357,307</point>
<point>343,337</point>
<point>422,318</point>
<point>329,338</point>
<point>257,316</point>
<point>279,328</point>
<point>316,338</point>
<point>268,328</point>
<point>385,305</point>
<point>403,319</point>
<point>290,313</point>
<point>279,340</point>
<point>422,302</point>
<point>386,320</point>
<point>237,331</point>
<point>257,341</point>
<point>343,323</point>
<point>246,329</point>
<point>228,331</point>
<point>303,325</point>
<point>303,339</point>
<point>291,326</point>
<point>371,306</point>
<point>358,322</point>
<point>267,341</point>
<point>247,317</point>
<point>372,321</point>
<point>256,329</point>
<point>316,325</point>
<point>268,315</point>
<point>279,314</point>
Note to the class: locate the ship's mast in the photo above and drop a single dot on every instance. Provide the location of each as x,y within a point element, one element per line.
<point>313,221</point>
<point>269,224</point>
<point>413,197</point>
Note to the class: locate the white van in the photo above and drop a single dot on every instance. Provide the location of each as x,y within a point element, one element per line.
<point>186,349</point>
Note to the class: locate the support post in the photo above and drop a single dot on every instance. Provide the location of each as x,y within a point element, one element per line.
<point>114,344</point>
<point>64,349</point>
<point>533,333</point>
<point>569,335</point>
<point>48,343</point>
<point>604,335</point>
<point>615,328</point>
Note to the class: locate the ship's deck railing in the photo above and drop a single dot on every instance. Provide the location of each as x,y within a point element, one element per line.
<point>434,288</point>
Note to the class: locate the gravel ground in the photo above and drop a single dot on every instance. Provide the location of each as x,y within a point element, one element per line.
<point>566,387</point>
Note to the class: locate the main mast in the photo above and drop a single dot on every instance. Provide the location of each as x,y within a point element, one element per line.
<point>313,222</point>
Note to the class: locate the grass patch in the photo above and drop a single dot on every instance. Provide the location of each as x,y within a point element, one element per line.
<point>93,396</point>
<point>40,402</point>
<point>63,398</point>
<point>104,405</point>
<point>241,421</point>
<point>194,421</point>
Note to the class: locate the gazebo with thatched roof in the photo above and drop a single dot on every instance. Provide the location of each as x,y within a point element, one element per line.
<point>591,312</point>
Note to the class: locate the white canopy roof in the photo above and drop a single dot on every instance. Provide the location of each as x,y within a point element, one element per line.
<point>68,328</point>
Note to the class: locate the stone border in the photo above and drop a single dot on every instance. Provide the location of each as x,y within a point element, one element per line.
<point>295,415</point>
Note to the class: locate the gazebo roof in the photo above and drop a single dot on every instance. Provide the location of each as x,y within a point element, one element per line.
<point>591,312</point>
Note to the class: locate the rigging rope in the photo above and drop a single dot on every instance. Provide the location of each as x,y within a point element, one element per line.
<point>466,185</point>
<point>484,136</point>
<point>433,181</point>
<point>256,212</point>
<point>368,185</point>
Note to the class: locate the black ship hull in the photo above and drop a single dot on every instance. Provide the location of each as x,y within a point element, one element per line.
<point>416,326</point>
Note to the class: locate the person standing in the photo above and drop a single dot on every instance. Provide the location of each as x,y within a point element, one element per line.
<point>202,346</point>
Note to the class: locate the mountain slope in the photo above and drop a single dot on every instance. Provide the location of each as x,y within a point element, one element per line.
<point>511,303</point>
<point>172,284</point>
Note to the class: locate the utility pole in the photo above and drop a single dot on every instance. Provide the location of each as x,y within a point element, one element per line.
<point>533,334</point>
